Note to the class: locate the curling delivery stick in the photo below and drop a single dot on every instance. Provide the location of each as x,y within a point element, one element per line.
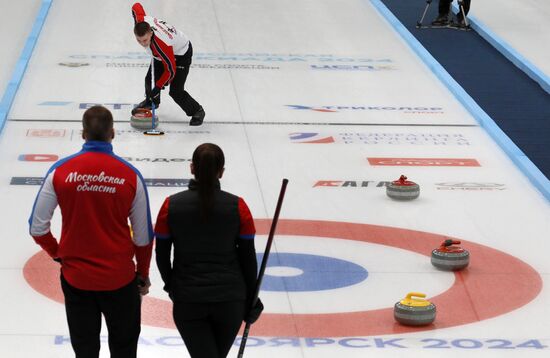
<point>264,262</point>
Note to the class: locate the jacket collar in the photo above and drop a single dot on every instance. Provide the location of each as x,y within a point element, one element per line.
<point>97,146</point>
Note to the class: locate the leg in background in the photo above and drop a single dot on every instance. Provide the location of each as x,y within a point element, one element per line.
<point>443,13</point>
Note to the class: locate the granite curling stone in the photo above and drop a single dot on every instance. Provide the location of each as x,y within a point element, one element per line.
<point>450,257</point>
<point>414,310</point>
<point>402,189</point>
<point>142,118</point>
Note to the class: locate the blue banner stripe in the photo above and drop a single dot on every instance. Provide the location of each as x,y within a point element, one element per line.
<point>21,65</point>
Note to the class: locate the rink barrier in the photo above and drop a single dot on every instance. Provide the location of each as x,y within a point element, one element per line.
<point>522,162</point>
<point>22,62</point>
<point>509,52</point>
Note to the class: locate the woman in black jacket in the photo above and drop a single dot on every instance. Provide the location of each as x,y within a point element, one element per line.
<point>213,277</point>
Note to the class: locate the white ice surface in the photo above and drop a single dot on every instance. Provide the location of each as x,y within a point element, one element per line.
<point>523,25</point>
<point>252,59</point>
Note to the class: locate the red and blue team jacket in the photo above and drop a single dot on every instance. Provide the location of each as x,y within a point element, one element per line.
<point>166,43</point>
<point>97,193</point>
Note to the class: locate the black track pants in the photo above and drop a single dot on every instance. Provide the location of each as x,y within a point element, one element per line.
<point>122,311</point>
<point>208,329</point>
<point>177,87</point>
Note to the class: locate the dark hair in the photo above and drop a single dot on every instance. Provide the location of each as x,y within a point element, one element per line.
<point>141,28</point>
<point>97,123</point>
<point>208,162</point>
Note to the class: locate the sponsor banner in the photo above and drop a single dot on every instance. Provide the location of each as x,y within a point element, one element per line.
<point>470,186</point>
<point>369,108</point>
<point>354,343</point>
<point>370,68</point>
<point>203,66</point>
<point>239,61</point>
<point>86,105</point>
<point>351,183</point>
<point>281,58</point>
<point>76,134</point>
<point>54,157</point>
<point>155,160</point>
<point>425,162</point>
<point>450,186</point>
<point>232,57</point>
<point>74,64</point>
<point>311,138</point>
<point>46,133</point>
<point>381,138</point>
<point>150,182</point>
<point>122,132</point>
<point>38,158</point>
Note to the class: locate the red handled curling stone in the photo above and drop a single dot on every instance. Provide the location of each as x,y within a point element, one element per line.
<point>450,257</point>
<point>142,118</point>
<point>414,310</point>
<point>402,189</point>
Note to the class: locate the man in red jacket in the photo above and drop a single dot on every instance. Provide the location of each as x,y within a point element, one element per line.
<point>172,53</point>
<point>97,193</point>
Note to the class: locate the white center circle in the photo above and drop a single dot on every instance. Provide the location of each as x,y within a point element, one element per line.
<point>392,273</point>
<point>283,271</point>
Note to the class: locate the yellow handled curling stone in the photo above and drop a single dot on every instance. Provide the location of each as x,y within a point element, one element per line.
<point>414,310</point>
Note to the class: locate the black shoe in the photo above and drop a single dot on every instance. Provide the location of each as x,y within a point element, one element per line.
<point>460,21</point>
<point>460,24</point>
<point>441,20</point>
<point>197,118</point>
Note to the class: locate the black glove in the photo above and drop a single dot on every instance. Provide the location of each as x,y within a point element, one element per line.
<point>254,313</point>
<point>154,96</point>
<point>143,284</point>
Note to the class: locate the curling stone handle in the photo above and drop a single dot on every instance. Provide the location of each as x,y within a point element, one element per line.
<point>450,242</point>
<point>410,296</point>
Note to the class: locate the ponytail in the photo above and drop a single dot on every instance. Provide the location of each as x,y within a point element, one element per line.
<point>208,162</point>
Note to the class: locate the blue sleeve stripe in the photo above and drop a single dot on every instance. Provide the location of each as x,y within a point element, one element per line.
<point>247,237</point>
<point>162,237</point>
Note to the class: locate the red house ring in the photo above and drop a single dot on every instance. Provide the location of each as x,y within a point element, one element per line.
<point>495,283</point>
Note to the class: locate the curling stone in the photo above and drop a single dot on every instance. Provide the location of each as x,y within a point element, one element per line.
<point>414,310</point>
<point>142,118</point>
<point>450,257</point>
<point>402,189</point>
